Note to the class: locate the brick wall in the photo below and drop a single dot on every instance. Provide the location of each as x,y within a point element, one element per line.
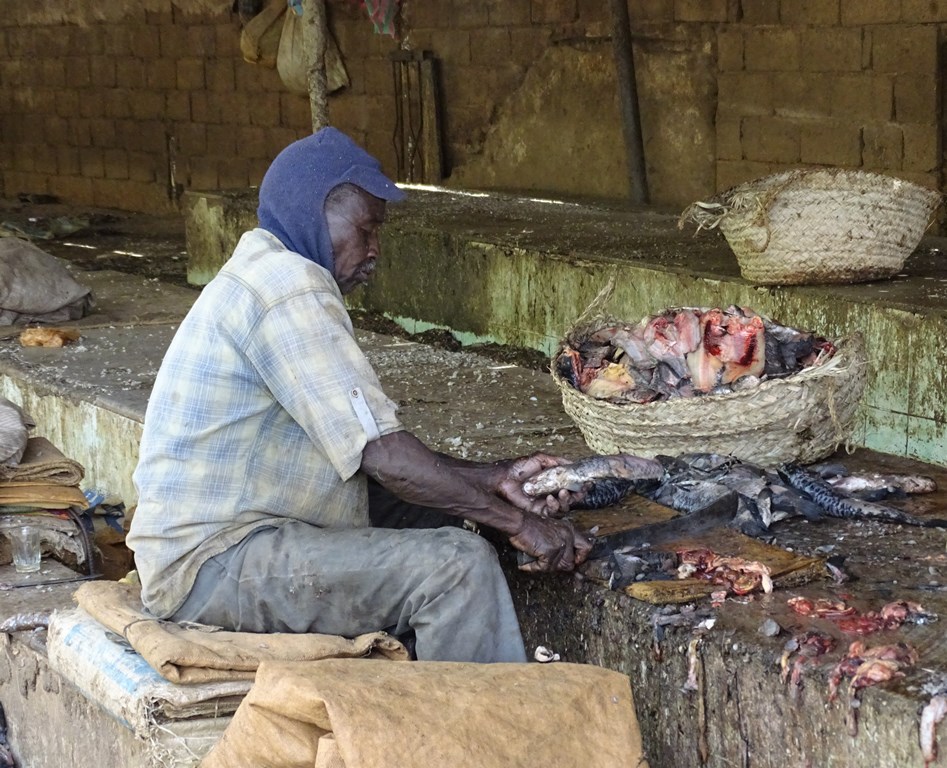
<point>853,83</point>
<point>123,103</point>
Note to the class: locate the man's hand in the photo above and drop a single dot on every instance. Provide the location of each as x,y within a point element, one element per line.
<point>514,472</point>
<point>554,543</point>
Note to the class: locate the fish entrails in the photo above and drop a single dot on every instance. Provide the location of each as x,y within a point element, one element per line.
<point>837,505</point>
<point>605,479</point>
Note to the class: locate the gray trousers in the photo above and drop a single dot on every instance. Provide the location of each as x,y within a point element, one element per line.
<point>445,584</point>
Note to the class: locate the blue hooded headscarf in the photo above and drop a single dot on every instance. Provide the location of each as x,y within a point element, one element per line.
<point>294,189</point>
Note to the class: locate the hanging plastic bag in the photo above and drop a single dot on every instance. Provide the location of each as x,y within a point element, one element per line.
<point>260,38</point>
<point>292,59</point>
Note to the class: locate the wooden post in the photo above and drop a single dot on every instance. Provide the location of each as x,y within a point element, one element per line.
<point>315,33</point>
<point>628,90</point>
<point>431,154</point>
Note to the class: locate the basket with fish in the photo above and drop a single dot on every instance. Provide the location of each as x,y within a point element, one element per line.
<point>725,381</point>
<point>819,225</point>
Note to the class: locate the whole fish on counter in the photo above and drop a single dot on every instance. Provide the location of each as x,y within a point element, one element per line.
<point>606,480</point>
<point>836,504</point>
<point>692,482</point>
<point>765,496</point>
<point>873,485</point>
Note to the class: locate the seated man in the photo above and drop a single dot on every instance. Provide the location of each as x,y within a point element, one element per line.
<point>267,426</point>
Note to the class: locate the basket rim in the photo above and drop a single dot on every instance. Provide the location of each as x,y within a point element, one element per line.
<point>782,178</point>
<point>753,197</point>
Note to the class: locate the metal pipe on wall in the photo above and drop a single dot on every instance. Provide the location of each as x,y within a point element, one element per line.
<point>628,90</point>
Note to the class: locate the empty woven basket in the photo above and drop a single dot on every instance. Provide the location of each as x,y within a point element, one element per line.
<point>820,225</point>
<point>801,418</point>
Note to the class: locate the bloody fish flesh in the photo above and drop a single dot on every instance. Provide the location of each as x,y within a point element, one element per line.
<point>737,574</point>
<point>870,666</point>
<point>933,713</point>
<point>808,647</point>
<point>686,351</point>
<point>850,620</point>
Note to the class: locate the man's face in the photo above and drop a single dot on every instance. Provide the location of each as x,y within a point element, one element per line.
<point>354,221</point>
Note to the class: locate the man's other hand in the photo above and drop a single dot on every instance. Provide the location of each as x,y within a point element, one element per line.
<point>555,544</point>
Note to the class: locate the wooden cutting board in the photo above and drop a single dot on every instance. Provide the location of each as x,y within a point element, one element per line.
<point>786,568</point>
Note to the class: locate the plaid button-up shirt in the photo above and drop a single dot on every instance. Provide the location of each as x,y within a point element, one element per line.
<point>258,415</point>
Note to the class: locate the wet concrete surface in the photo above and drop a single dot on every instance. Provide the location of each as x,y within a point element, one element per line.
<point>707,694</point>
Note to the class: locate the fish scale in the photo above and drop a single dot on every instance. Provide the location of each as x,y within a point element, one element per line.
<point>836,505</point>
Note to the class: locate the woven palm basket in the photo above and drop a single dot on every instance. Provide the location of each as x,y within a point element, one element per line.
<point>820,225</point>
<point>800,418</point>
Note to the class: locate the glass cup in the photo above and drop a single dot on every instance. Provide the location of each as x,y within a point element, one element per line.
<point>27,552</point>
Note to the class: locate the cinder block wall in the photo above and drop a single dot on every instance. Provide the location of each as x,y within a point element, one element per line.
<point>114,106</point>
<point>852,83</point>
<point>126,103</point>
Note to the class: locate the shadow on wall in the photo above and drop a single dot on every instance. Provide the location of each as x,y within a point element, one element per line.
<point>550,134</point>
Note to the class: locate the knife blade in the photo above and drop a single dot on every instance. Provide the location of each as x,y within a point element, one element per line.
<point>718,513</point>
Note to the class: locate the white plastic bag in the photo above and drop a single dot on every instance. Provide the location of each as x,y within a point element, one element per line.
<point>15,426</point>
<point>292,60</point>
<point>260,38</point>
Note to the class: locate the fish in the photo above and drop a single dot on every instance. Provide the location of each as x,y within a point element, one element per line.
<point>732,346</point>
<point>861,483</point>
<point>836,504</point>
<point>705,367</point>
<point>743,348</point>
<point>605,479</point>
<point>788,350</point>
<point>665,343</point>
<point>631,343</point>
<point>613,382</point>
<point>696,480</point>
<point>764,496</point>
<point>24,621</point>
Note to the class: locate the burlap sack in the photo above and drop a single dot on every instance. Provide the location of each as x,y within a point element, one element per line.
<point>340,713</point>
<point>42,462</point>
<point>201,654</point>
<point>36,286</point>
<point>259,40</point>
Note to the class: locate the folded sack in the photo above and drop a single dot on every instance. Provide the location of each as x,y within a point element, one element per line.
<point>196,653</point>
<point>42,462</point>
